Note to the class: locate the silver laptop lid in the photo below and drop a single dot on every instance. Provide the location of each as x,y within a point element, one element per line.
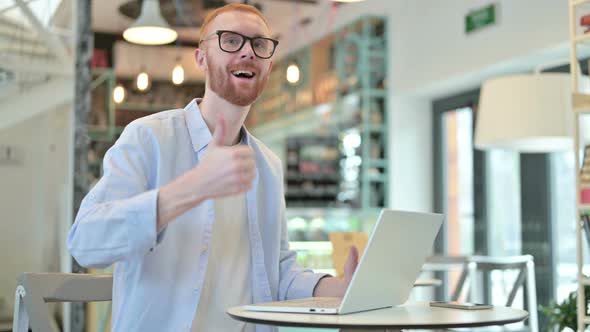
<point>392,260</point>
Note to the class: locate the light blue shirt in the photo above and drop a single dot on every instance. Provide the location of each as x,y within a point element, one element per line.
<point>158,277</point>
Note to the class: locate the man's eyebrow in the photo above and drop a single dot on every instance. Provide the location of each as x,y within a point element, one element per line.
<point>256,35</point>
<point>259,35</point>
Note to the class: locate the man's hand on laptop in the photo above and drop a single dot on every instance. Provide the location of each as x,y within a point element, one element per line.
<point>336,287</point>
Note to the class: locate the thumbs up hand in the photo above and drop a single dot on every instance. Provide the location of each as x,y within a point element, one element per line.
<point>224,170</point>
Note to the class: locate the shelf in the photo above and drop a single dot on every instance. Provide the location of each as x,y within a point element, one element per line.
<point>377,178</point>
<point>310,194</point>
<point>319,162</point>
<point>581,102</point>
<point>311,245</point>
<point>374,128</point>
<point>315,177</point>
<point>584,207</point>
<point>378,93</point>
<point>380,163</point>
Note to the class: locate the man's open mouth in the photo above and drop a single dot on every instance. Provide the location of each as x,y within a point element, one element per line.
<point>243,74</point>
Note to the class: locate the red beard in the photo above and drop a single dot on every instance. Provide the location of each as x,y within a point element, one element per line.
<point>236,91</point>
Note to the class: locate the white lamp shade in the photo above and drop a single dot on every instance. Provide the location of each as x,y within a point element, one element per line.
<point>150,28</point>
<point>527,113</point>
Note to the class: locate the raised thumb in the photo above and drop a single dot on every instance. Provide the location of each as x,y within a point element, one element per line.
<point>351,263</point>
<point>219,132</point>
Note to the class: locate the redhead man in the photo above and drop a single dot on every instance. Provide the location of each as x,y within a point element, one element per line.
<point>191,208</point>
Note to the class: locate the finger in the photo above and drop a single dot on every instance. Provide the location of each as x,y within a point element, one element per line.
<point>354,252</point>
<point>351,263</point>
<point>245,177</point>
<point>246,166</point>
<point>219,132</point>
<point>241,187</point>
<point>242,152</point>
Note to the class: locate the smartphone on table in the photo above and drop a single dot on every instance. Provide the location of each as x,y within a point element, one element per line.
<point>460,305</point>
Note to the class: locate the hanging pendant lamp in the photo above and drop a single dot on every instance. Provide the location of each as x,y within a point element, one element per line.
<point>150,28</point>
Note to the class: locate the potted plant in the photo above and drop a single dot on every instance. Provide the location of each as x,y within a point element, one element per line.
<point>565,314</point>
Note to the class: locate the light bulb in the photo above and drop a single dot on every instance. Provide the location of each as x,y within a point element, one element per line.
<point>178,74</point>
<point>143,81</point>
<point>119,94</point>
<point>293,74</point>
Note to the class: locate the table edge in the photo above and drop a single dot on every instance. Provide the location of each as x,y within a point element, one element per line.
<point>405,326</point>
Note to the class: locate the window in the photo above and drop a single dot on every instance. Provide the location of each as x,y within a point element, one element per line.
<point>458,177</point>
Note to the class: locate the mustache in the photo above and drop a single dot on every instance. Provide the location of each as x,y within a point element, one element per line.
<point>246,65</point>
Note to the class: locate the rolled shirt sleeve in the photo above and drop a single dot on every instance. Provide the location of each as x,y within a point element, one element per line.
<point>295,282</point>
<point>117,218</point>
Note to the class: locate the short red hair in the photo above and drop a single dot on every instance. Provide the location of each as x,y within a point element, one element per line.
<point>230,8</point>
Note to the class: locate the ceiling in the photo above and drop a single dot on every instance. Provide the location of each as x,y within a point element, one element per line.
<point>284,16</point>
<point>107,18</point>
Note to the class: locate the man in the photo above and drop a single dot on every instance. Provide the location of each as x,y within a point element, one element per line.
<point>195,221</point>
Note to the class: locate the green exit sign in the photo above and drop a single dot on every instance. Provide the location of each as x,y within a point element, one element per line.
<point>480,18</point>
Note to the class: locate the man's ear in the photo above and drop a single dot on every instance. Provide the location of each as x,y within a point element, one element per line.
<point>200,59</point>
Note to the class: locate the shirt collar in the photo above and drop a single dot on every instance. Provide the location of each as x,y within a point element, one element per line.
<point>198,130</point>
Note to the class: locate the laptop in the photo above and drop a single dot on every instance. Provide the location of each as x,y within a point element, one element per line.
<point>387,270</point>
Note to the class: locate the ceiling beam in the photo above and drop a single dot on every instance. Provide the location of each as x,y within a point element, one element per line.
<point>11,7</point>
<point>23,106</point>
<point>115,37</point>
<point>52,41</point>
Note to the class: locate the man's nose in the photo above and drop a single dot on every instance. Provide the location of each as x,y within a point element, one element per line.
<point>247,51</point>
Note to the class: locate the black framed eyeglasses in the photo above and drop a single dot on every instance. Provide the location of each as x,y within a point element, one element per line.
<point>232,42</point>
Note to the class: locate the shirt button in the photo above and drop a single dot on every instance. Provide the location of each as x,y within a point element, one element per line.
<point>204,248</point>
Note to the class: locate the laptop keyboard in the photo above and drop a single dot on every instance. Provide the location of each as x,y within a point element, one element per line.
<point>314,302</point>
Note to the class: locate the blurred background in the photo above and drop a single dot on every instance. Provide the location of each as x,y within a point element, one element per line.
<point>370,104</point>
